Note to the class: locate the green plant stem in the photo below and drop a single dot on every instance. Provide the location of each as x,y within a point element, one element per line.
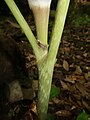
<point>47,61</point>
<point>61,12</point>
<point>45,79</point>
<point>23,24</point>
<point>41,15</point>
<point>47,66</point>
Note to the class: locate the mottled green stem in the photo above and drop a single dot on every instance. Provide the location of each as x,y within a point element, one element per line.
<point>45,80</point>
<point>47,66</point>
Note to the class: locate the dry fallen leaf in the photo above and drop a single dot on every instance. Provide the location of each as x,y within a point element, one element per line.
<point>78,70</point>
<point>82,90</point>
<point>64,85</point>
<point>86,105</point>
<point>89,74</point>
<point>70,79</point>
<point>65,65</point>
<point>64,113</point>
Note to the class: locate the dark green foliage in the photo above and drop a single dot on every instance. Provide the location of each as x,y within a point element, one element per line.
<point>83,116</point>
<point>83,19</point>
<point>78,15</point>
<point>55,91</point>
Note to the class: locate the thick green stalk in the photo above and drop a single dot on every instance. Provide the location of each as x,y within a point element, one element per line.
<point>41,15</point>
<point>46,67</point>
<point>45,80</point>
<point>23,24</point>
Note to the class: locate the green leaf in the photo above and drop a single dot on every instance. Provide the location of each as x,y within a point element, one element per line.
<point>83,116</point>
<point>55,91</point>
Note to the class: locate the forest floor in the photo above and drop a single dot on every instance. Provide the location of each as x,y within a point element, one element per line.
<point>71,73</point>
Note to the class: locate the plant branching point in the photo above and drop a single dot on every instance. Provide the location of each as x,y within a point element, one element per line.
<point>45,57</point>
